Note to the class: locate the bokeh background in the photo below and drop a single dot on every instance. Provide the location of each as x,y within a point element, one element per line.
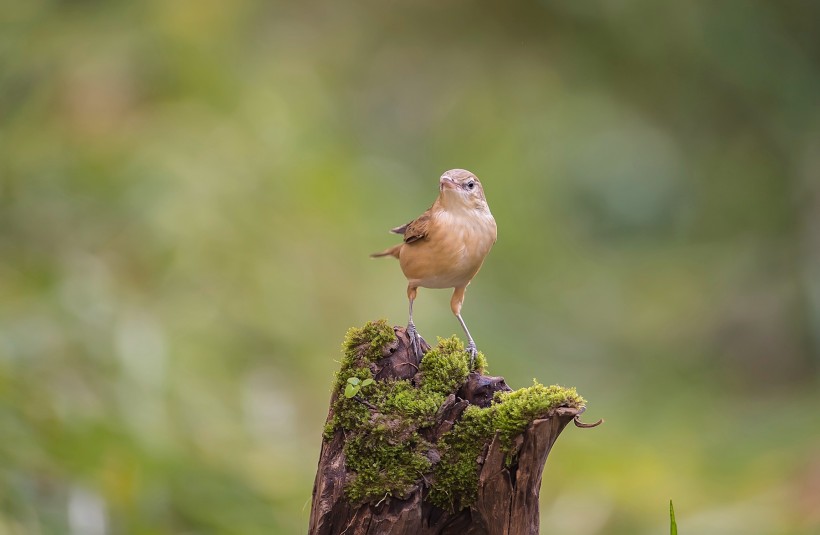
<point>189,191</point>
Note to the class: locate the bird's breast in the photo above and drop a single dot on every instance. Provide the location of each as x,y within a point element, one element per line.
<point>453,251</point>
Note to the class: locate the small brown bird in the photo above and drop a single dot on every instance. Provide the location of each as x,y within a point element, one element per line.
<point>446,245</point>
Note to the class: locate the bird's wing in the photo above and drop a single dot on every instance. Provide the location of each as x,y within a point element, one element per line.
<point>416,229</point>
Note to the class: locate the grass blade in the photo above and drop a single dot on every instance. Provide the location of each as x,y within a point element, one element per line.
<point>673,527</point>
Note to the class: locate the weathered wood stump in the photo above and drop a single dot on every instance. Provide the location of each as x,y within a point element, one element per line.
<point>431,447</point>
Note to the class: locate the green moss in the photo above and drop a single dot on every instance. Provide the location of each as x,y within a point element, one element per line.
<point>385,453</point>
<point>447,357</point>
<point>373,336</point>
<point>414,404</point>
<point>387,460</point>
<point>456,476</point>
<point>383,448</point>
<point>515,410</point>
<point>361,347</point>
<point>444,367</point>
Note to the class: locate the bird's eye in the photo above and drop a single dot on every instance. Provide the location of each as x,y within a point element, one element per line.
<point>470,184</point>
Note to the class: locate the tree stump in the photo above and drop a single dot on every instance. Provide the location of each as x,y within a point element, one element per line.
<point>432,447</point>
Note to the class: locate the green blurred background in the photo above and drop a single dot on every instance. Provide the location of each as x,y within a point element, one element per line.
<point>189,191</point>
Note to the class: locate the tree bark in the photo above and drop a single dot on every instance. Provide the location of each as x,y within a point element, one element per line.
<point>507,497</point>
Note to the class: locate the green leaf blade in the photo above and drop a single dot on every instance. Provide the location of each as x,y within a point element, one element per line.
<point>673,529</point>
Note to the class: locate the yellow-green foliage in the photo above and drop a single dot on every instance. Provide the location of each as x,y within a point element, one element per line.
<point>456,476</point>
<point>384,449</point>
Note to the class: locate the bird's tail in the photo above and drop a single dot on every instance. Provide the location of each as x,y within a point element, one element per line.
<point>393,251</point>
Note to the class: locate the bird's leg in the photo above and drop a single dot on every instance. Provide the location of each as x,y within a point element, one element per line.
<point>455,306</point>
<point>412,334</point>
<point>471,348</point>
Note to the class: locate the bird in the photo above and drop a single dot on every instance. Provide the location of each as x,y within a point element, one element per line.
<point>446,246</point>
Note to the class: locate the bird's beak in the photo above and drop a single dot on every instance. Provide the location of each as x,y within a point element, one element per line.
<point>445,182</point>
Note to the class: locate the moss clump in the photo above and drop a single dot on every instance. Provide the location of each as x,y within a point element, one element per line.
<point>361,347</point>
<point>456,476</point>
<point>371,338</point>
<point>515,410</point>
<point>445,367</point>
<point>417,406</point>
<point>387,460</point>
<point>387,456</point>
<point>384,449</point>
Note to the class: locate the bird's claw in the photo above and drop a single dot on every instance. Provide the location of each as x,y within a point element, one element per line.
<point>415,340</point>
<point>473,351</point>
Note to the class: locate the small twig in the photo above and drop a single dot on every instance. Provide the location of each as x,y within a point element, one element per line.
<point>366,403</point>
<point>577,417</point>
<point>579,423</point>
<point>410,364</point>
<point>348,526</point>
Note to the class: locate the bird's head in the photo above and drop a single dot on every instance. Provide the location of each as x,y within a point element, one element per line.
<point>461,189</point>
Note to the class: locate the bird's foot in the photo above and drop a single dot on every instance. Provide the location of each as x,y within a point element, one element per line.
<point>473,351</point>
<point>415,340</point>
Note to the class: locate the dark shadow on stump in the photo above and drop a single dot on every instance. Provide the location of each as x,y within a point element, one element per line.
<point>509,477</point>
